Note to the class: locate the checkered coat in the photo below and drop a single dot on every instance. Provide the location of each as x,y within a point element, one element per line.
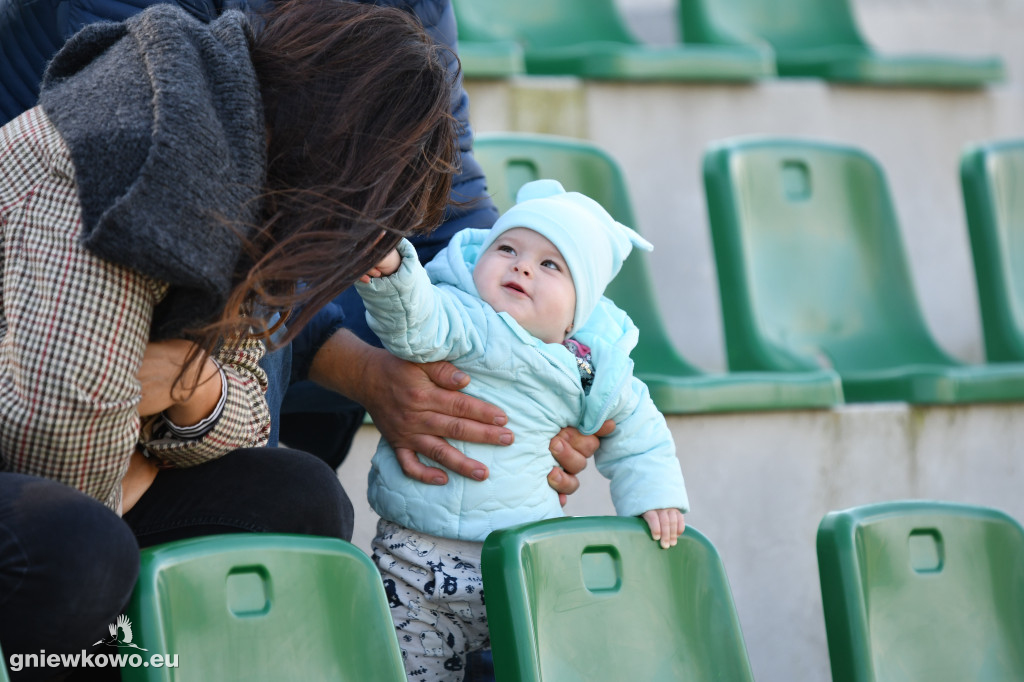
<point>73,330</point>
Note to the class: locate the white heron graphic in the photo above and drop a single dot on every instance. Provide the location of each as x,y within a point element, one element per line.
<point>124,624</point>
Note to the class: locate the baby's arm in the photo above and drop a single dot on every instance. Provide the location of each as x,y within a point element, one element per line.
<point>666,525</point>
<point>639,459</point>
<point>414,319</point>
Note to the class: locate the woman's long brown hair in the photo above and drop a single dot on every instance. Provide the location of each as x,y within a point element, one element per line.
<point>361,152</point>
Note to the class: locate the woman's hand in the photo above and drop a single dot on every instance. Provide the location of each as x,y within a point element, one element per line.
<point>140,475</point>
<point>571,449</point>
<point>415,407</point>
<point>185,398</point>
<point>428,409</point>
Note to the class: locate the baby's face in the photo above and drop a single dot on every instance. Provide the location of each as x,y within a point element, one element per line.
<point>522,273</point>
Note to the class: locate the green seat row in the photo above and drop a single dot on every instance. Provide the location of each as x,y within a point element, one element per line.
<point>255,606</point>
<point>817,301</point>
<point>812,273</point>
<point>821,39</point>
<point>588,38</point>
<point>722,40</point>
<point>911,590</point>
<point>677,387</point>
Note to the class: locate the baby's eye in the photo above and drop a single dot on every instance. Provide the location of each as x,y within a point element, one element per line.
<point>551,264</point>
<point>505,248</point>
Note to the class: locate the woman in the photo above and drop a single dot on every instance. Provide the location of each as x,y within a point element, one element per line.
<point>179,183</point>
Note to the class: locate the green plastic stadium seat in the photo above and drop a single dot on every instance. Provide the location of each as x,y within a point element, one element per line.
<point>3,667</point>
<point>588,38</point>
<point>257,606</point>
<point>812,273</point>
<point>919,590</point>
<point>484,55</point>
<point>992,176</point>
<point>594,599</point>
<point>677,387</point>
<point>491,59</point>
<point>820,38</point>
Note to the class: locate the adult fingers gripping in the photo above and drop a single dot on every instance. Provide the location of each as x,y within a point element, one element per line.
<point>430,409</point>
<point>569,458</point>
<point>564,484</point>
<point>449,424</point>
<point>571,449</point>
<point>444,454</point>
<point>447,376</point>
<point>417,470</point>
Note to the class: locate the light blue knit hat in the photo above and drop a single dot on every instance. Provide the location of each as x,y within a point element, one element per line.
<point>592,243</point>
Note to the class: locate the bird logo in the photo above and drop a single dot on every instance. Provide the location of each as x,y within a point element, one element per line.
<point>124,625</point>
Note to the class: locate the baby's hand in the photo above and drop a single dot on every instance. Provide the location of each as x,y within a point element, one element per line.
<point>666,525</point>
<point>387,266</point>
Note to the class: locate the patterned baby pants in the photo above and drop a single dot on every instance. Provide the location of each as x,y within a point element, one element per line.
<point>436,594</point>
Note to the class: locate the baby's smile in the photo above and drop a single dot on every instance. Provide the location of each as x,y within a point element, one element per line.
<point>515,287</point>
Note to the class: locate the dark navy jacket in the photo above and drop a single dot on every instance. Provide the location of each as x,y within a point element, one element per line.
<point>31,32</point>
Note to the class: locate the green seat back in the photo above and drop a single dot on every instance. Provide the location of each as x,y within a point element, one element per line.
<point>820,38</point>
<point>589,38</point>
<point>512,159</point>
<point>3,667</point>
<point>486,51</point>
<point>541,23</point>
<point>992,176</point>
<point>812,273</point>
<point>255,606</point>
<point>491,59</point>
<point>918,590</point>
<point>810,261</point>
<point>594,598</point>
<point>783,24</point>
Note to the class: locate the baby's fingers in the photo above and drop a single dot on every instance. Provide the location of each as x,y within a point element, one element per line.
<point>653,520</point>
<point>675,525</point>
<point>666,525</point>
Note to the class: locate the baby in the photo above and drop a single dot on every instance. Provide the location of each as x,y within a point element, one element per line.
<point>519,308</point>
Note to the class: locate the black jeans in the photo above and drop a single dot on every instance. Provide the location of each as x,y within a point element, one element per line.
<point>328,435</point>
<point>68,564</point>
<point>268,490</point>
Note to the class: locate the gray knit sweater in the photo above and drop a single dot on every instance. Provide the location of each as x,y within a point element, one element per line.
<point>163,118</point>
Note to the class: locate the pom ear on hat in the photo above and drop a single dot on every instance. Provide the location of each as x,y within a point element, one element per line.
<point>593,244</point>
<point>539,189</point>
